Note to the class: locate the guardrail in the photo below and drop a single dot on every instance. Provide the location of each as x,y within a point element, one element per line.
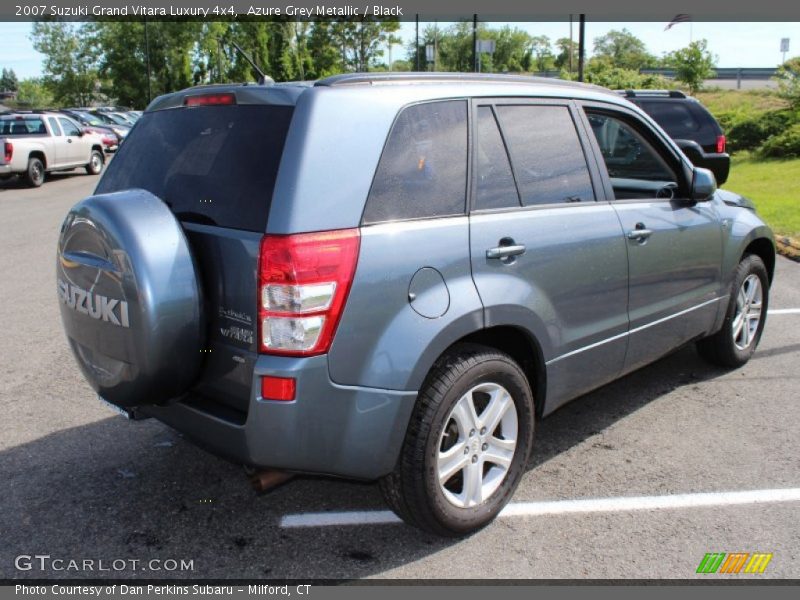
<point>724,73</point>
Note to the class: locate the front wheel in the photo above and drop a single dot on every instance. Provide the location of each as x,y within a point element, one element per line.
<point>95,164</point>
<point>735,343</point>
<point>467,444</point>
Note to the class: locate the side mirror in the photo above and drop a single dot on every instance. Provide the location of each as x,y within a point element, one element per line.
<point>704,184</point>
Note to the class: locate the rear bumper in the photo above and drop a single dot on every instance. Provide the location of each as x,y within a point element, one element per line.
<point>332,429</point>
<point>6,169</point>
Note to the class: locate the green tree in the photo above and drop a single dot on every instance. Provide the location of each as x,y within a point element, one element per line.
<point>788,78</point>
<point>326,55</point>
<point>542,53</point>
<point>692,64</point>
<point>514,49</point>
<point>566,48</point>
<point>624,50</point>
<point>33,93</point>
<point>70,72</point>
<point>123,56</point>
<point>8,81</point>
<point>209,59</point>
<point>282,54</point>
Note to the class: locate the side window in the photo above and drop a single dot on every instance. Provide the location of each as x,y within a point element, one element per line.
<point>54,125</point>
<point>69,127</point>
<point>423,169</point>
<point>546,154</point>
<point>495,187</point>
<point>635,167</point>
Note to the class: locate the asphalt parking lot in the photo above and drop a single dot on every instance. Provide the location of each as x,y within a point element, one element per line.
<point>80,482</point>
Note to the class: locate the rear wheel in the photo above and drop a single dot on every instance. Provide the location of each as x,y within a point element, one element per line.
<point>735,343</point>
<point>95,164</point>
<point>467,444</point>
<point>35,173</point>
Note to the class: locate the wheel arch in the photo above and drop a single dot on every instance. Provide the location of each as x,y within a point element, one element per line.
<point>519,345</point>
<point>765,250</point>
<point>40,155</point>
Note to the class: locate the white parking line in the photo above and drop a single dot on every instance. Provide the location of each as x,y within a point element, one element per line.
<point>535,509</point>
<point>783,311</point>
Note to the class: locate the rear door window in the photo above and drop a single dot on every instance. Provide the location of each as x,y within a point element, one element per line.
<point>546,154</point>
<point>215,165</point>
<point>423,169</point>
<point>495,187</point>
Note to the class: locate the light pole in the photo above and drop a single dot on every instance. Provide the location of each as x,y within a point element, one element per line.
<point>147,60</point>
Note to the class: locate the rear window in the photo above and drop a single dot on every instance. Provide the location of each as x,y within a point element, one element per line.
<point>214,165</point>
<point>674,117</point>
<point>23,126</point>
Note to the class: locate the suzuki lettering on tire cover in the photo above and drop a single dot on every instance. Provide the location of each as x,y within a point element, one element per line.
<point>130,298</point>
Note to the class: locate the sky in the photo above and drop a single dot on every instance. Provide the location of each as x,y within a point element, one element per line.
<point>735,44</point>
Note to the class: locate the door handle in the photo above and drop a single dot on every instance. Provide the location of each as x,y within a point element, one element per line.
<point>505,251</point>
<point>640,234</point>
<point>69,141</point>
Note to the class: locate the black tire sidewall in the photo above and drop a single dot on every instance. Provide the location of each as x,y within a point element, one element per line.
<point>750,265</point>
<point>90,168</point>
<point>507,374</point>
<point>30,172</point>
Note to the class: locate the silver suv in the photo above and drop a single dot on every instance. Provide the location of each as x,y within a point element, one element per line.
<point>394,277</point>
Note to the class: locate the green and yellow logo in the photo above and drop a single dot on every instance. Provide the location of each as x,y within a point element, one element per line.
<point>734,562</point>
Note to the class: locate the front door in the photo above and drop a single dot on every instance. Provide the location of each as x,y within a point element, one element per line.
<point>674,245</point>
<point>77,151</point>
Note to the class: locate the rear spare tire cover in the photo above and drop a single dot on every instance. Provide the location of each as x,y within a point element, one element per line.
<point>130,298</point>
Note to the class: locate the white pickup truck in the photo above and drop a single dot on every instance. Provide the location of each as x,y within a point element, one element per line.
<point>32,144</point>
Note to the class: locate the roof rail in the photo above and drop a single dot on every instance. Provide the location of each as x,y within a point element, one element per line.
<point>644,93</point>
<point>438,77</point>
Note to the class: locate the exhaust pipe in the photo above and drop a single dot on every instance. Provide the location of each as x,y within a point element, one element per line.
<point>264,481</point>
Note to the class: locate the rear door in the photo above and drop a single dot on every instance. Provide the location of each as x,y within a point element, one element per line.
<point>215,167</point>
<point>674,245</point>
<point>547,255</point>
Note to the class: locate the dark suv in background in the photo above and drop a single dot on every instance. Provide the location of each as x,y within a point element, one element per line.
<point>690,124</point>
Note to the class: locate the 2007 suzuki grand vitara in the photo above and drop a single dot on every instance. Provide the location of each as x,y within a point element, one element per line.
<point>393,276</point>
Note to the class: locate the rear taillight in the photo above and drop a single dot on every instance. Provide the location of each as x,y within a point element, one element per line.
<point>8,151</point>
<point>210,100</point>
<point>304,280</point>
<point>720,144</point>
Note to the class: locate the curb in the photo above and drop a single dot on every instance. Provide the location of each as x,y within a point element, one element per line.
<point>788,247</point>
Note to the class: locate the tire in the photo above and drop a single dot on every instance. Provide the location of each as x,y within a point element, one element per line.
<point>413,489</point>
<point>133,320</point>
<point>35,172</point>
<point>95,164</point>
<point>734,344</point>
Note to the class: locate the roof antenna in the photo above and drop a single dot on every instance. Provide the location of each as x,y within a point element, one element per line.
<point>263,78</point>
